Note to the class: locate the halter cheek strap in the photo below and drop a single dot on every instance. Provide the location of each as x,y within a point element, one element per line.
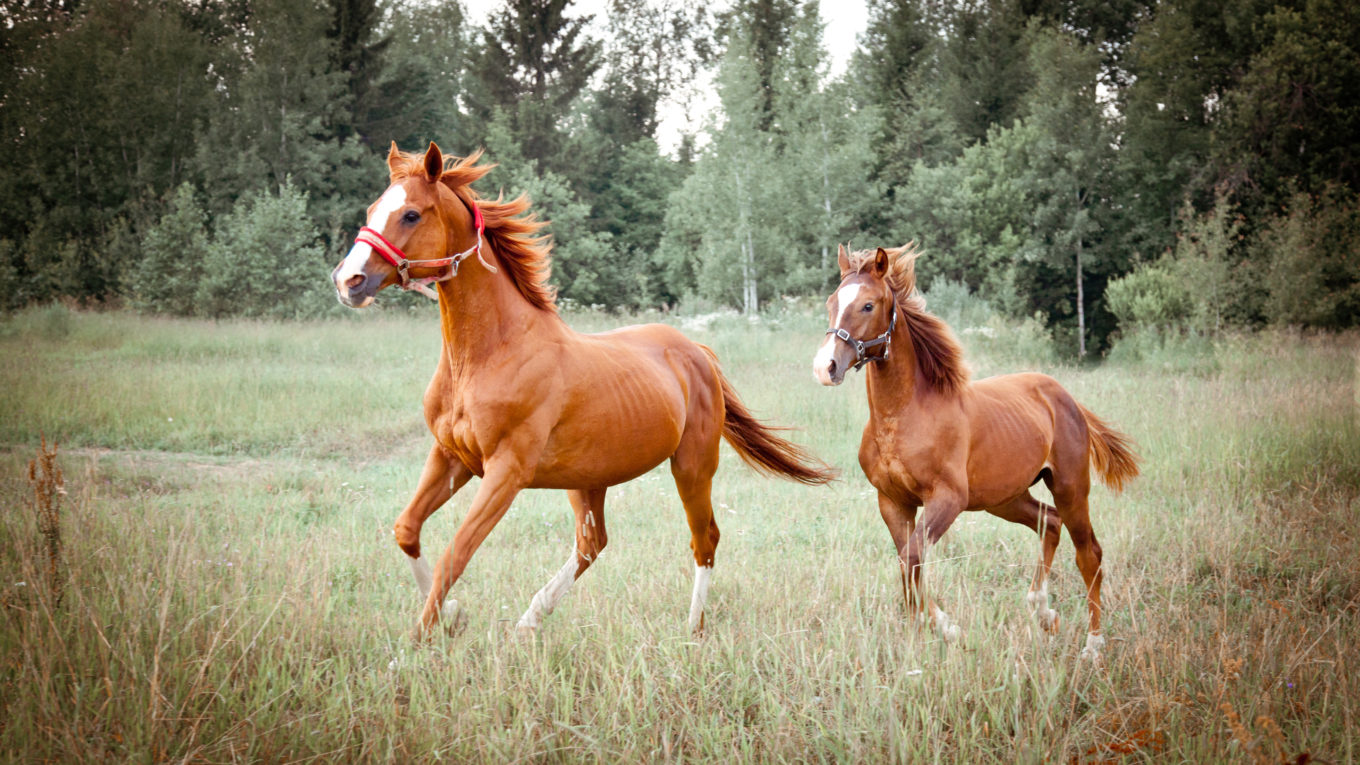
<point>393,254</point>
<point>861,346</point>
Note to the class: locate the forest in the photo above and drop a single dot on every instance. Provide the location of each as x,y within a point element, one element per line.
<point>1102,167</point>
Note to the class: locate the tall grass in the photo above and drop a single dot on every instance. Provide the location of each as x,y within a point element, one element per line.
<point>232,592</point>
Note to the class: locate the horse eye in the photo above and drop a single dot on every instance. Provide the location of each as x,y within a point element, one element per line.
<point>411,216</point>
<point>868,307</point>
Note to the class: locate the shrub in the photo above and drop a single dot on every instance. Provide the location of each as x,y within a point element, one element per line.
<point>1313,252</point>
<point>173,253</point>
<point>265,260</point>
<point>1150,297</point>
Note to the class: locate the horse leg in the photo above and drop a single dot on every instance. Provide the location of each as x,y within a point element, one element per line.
<point>939,515</point>
<point>693,466</point>
<point>590,540</point>
<point>1076,516</point>
<point>1038,517</point>
<point>440,480</point>
<point>900,521</point>
<point>501,482</point>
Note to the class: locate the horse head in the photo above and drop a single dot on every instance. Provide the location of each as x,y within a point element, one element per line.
<point>412,231</point>
<point>861,314</point>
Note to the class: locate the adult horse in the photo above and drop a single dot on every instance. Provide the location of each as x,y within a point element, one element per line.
<point>936,440</point>
<point>523,401</point>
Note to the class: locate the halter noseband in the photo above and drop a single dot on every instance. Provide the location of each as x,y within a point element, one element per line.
<point>393,254</point>
<point>861,346</point>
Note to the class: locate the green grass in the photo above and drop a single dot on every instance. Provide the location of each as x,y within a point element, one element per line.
<point>231,589</point>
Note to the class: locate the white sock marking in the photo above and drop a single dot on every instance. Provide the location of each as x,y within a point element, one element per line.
<point>948,630</point>
<point>1038,605</point>
<point>1094,644</point>
<point>546,599</point>
<point>702,576</point>
<point>421,570</point>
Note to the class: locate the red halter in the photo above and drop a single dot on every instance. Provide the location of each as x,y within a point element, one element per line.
<point>393,254</point>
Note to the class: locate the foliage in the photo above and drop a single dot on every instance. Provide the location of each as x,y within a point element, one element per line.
<point>173,253</point>
<point>264,260</point>
<point>1038,149</point>
<point>1313,251</point>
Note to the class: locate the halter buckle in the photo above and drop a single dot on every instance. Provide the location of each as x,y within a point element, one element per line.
<point>861,346</point>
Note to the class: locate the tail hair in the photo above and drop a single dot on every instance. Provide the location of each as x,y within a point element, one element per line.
<point>1111,452</point>
<point>758,446</point>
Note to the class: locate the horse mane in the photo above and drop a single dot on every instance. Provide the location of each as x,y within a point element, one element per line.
<point>512,232</point>
<point>938,353</point>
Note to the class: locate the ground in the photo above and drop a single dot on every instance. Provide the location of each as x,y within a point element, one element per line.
<point>227,586</point>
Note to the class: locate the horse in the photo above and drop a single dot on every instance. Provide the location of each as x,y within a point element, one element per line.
<point>938,441</point>
<point>525,402</point>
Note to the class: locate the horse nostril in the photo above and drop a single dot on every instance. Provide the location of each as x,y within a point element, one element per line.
<point>831,368</point>
<point>354,281</point>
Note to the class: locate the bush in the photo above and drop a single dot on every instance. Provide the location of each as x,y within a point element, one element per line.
<point>1313,252</point>
<point>265,260</point>
<point>173,253</point>
<point>1151,297</point>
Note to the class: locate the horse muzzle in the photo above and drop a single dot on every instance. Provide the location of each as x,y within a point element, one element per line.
<point>355,290</point>
<point>829,366</point>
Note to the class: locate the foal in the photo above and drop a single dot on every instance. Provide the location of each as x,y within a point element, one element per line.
<point>936,440</point>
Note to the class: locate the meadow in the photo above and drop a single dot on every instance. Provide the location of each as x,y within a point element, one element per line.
<point>227,587</point>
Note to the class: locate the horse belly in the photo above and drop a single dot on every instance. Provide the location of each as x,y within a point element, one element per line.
<point>612,437</point>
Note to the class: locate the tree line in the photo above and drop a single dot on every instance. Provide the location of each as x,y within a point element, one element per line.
<point>1104,165</point>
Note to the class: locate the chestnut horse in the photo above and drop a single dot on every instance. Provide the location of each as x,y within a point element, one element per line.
<point>523,401</point>
<point>936,440</point>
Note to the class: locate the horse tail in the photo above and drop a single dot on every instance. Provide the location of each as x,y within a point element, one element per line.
<point>758,445</point>
<point>1111,452</point>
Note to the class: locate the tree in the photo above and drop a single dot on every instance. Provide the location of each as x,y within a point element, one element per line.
<point>89,146</point>
<point>827,156</point>
<point>1068,178</point>
<point>173,250</point>
<point>264,261</point>
<point>1293,117</point>
<point>532,64</point>
<point>279,116</point>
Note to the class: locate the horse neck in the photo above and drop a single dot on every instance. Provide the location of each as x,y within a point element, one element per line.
<point>482,314</point>
<point>894,382</point>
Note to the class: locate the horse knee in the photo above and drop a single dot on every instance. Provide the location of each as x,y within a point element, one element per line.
<point>408,538</point>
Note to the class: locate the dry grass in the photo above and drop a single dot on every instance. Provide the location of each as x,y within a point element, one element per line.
<point>223,607</point>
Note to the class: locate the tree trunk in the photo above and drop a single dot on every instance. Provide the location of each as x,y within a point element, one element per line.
<point>749,276</point>
<point>1081,308</point>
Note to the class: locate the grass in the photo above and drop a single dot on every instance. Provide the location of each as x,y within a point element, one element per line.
<point>230,588</point>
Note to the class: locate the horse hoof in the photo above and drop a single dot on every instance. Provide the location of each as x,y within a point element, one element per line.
<point>1094,644</point>
<point>454,618</point>
<point>951,633</point>
<point>1048,620</point>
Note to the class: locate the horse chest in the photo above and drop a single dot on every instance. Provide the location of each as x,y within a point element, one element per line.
<point>898,460</point>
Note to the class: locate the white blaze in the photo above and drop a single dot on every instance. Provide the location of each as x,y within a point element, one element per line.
<point>391,201</point>
<point>821,363</point>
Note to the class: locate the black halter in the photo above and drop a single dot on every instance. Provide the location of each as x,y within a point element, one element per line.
<point>861,346</point>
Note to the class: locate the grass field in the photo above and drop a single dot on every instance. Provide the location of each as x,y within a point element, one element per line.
<point>228,588</point>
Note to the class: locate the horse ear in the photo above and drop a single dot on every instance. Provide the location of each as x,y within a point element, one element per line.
<point>880,262</point>
<point>434,163</point>
<point>843,260</point>
<point>393,158</point>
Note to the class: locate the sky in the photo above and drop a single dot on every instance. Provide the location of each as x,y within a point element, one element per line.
<point>844,20</point>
